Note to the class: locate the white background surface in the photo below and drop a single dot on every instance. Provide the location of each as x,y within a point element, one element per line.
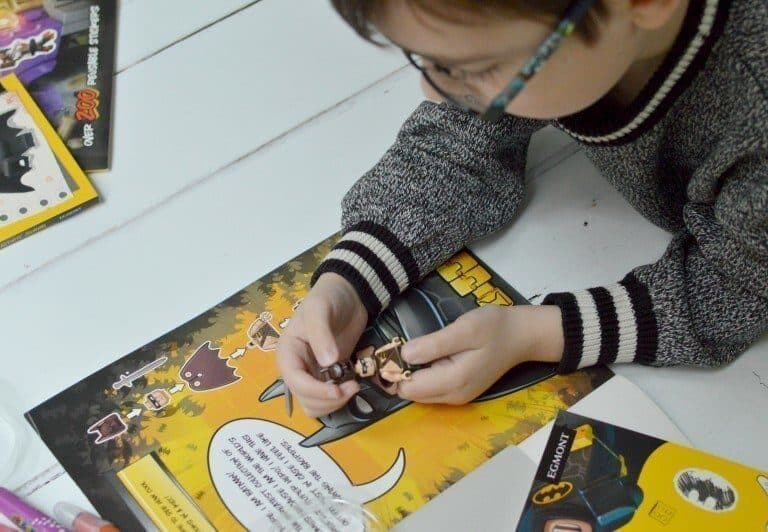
<point>234,118</point>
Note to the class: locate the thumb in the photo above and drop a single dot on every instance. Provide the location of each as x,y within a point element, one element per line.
<point>322,342</point>
<point>436,345</point>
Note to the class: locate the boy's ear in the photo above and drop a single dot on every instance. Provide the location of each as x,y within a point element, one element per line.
<point>652,14</point>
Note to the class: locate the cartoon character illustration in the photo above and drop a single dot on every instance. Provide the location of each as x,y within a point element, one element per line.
<point>157,399</point>
<point>263,335</point>
<point>22,50</point>
<point>423,309</point>
<point>108,428</point>
<point>205,370</point>
<point>14,164</point>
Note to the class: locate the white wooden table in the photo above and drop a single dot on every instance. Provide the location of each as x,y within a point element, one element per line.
<point>236,117</point>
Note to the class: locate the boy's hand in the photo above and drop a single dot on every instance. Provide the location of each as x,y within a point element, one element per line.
<point>472,353</point>
<point>323,330</point>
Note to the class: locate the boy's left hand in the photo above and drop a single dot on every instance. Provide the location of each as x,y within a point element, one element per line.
<point>472,353</point>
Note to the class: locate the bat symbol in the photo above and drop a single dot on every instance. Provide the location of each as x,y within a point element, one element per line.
<point>552,492</point>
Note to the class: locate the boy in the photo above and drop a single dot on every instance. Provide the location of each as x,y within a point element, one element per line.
<point>669,99</point>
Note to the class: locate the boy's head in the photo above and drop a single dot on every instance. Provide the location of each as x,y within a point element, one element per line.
<point>475,48</point>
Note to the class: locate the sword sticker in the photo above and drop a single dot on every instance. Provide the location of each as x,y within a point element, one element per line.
<point>127,380</point>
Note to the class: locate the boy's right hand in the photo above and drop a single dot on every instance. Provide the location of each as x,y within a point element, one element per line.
<point>323,330</point>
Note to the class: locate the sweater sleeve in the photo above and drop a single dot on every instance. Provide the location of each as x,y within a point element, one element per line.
<point>449,179</point>
<point>703,303</point>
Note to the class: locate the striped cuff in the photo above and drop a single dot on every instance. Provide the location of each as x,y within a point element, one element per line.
<point>607,325</point>
<point>374,261</point>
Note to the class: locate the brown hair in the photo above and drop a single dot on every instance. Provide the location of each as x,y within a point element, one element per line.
<point>359,13</point>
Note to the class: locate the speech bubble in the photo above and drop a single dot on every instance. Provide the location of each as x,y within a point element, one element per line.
<point>267,479</point>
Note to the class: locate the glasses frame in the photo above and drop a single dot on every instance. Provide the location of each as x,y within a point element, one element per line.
<point>574,14</point>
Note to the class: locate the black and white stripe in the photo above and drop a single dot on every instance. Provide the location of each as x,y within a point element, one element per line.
<point>607,325</point>
<point>600,125</point>
<point>374,261</point>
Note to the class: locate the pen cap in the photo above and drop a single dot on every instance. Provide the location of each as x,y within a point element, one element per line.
<point>25,516</point>
<point>77,519</point>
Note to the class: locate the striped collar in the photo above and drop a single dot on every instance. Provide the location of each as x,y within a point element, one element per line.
<point>604,123</point>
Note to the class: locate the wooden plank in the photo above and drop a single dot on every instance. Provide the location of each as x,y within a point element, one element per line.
<point>147,26</point>
<point>209,101</point>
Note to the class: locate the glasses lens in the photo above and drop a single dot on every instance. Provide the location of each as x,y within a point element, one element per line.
<point>455,86</point>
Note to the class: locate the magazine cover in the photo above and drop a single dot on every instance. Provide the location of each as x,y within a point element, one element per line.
<point>595,477</point>
<point>63,51</point>
<point>40,182</point>
<point>190,432</point>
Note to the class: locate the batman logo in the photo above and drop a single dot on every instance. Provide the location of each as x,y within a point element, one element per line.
<point>552,493</point>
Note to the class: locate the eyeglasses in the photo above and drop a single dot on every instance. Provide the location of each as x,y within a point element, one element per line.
<point>491,110</point>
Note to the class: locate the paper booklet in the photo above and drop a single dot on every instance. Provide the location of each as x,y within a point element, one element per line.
<point>40,182</point>
<point>190,432</point>
<point>63,51</point>
<point>594,477</point>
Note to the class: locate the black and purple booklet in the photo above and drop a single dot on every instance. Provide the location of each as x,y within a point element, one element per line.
<point>63,51</point>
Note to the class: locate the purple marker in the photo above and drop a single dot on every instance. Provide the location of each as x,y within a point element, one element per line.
<point>24,516</point>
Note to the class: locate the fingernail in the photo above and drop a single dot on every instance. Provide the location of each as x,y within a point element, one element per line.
<point>327,358</point>
<point>333,391</point>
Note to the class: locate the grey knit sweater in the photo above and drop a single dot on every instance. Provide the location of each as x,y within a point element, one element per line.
<point>690,153</point>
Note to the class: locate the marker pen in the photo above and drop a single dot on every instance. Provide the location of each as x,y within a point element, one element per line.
<point>24,516</point>
<point>81,521</point>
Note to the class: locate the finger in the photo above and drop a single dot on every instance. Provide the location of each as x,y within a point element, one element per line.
<point>437,345</point>
<point>429,385</point>
<point>295,363</point>
<point>322,341</point>
<point>317,408</point>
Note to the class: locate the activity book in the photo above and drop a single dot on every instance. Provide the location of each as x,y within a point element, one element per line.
<point>190,431</point>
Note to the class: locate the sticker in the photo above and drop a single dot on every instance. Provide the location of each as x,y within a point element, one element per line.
<point>157,399</point>
<point>706,490</point>
<point>108,428</point>
<point>262,334</point>
<point>205,370</point>
<point>21,50</point>
<point>127,379</point>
